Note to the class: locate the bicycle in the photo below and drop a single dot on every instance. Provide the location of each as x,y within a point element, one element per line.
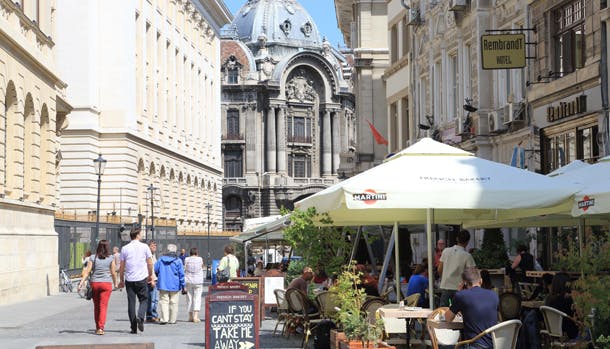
<point>65,283</point>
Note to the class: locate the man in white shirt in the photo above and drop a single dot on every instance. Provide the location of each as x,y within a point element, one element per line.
<point>136,273</point>
<point>451,266</point>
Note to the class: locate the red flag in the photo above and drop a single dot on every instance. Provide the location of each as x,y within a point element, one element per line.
<point>378,137</point>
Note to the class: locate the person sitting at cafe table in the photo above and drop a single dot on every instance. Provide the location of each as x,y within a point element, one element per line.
<point>523,263</point>
<point>560,298</point>
<point>418,283</point>
<point>478,306</point>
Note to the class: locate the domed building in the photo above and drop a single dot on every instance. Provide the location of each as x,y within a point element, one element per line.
<point>287,110</point>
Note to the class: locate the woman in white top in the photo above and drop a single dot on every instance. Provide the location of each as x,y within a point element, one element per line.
<point>193,274</point>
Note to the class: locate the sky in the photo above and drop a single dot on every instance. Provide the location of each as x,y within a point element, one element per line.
<point>322,11</point>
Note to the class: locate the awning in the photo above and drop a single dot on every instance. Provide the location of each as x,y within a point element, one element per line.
<point>270,231</point>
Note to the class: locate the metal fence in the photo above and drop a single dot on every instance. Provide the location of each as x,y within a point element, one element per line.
<point>75,238</point>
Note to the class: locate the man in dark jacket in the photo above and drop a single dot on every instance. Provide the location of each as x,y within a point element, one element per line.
<point>170,281</point>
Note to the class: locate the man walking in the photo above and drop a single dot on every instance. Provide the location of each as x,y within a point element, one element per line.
<point>452,263</point>
<point>136,273</point>
<point>153,294</point>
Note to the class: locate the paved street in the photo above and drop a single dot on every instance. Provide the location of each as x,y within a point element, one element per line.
<point>68,319</point>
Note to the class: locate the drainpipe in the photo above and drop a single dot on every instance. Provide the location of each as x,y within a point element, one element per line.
<point>603,72</point>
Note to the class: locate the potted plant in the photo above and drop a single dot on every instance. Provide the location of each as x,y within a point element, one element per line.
<point>360,332</point>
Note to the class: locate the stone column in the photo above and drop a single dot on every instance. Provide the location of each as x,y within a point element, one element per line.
<point>326,144</point>
<point>270,140</point>
<point>249,119</point>
<point>336,132</point>
<point>281,141</point>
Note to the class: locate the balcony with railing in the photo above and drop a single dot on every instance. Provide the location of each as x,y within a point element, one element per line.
<point>233,137</point>
<point>299,139</point>
<point>234,180</point>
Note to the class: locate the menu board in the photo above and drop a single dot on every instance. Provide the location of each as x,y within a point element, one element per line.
<point>271,284</point>
<point>232,320</point>
<point>255,287</point>
<point>227,286</point>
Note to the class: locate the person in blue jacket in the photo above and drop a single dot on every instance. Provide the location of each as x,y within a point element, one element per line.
<point>170,281</point>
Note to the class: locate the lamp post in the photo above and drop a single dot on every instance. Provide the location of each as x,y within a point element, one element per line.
<point>100,165</point>
<point>208,207</point>
<point>152,189</point>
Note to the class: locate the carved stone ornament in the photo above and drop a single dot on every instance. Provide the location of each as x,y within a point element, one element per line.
<point>286,26</point>
<point>301,89</point>
<point>266,66</point>
<point>307,28</point>
<point>289,7</point>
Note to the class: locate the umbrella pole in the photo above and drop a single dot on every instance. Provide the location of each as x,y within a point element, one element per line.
<point>581,228</point>
<point>430,261</point>
<point>396,264</point>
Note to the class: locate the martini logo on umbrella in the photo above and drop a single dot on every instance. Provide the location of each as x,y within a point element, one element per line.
<point>370,196</point>
<point>586,202</point>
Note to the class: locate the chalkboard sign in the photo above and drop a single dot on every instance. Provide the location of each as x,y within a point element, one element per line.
<point>255,287</point>
<point>227,286</point>
<point>232,320</point>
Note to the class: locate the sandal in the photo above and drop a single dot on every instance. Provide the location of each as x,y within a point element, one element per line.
<point>99,332</point>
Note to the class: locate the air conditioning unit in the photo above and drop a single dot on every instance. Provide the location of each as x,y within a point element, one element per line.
<point>512,112</point>
<point>459,126</point>
<point>495,120</point>
<point>414,17</point>
<point>457,5</point>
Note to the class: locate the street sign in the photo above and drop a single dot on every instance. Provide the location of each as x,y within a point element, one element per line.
<point>503,51</point>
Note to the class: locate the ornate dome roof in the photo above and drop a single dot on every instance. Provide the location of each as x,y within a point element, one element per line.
<point>283,22</point>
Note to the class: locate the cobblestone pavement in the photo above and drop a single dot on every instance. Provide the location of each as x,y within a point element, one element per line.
<point>68,319</point>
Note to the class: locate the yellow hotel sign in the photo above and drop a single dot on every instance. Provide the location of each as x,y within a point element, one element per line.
<point>503,51</point>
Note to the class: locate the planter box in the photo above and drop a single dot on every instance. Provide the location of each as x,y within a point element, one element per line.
<point>344,344</point>
<point>335,337</point>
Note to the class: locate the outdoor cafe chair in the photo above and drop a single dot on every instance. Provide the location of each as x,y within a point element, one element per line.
<point>283,312</point>
<point>553,320</point>
<point>370,306</point>
<point>527,289</point>
<point>300,306</point>
<point>327,301</point>
<point>438,334</point>
<point>503,335</point>
<point>510,306</point>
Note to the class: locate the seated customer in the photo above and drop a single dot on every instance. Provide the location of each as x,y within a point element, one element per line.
<point>418,283</point>
<point>560,299</point>
<point>478,306</point>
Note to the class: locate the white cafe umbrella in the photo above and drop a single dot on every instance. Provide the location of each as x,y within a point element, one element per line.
<point>432,178</point>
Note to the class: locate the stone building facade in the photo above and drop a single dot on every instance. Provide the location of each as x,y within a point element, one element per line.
<point>287,110</point>
<point>517,115</point>
<point>363,25</point>
<point>144,79</point>
<point>34,110</point>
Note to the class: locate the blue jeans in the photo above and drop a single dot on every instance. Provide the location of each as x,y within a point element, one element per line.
<point>153,299</point>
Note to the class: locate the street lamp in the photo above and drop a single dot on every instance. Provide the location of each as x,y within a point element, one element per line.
<point>100,165</point>
<point>152,189</point>
<point>208,207</point>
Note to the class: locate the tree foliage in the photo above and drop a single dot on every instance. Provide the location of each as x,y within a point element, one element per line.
<point>492,254</point>
<point>313,237</point>
<point>590,291</point>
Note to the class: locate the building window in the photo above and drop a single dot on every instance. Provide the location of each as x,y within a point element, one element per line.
<point>233,207</point>
<point>454,98</point>
<point>394,44</point>
<point>299,165</point>
<point>578,143</point>
<point>569,37</point>
<point>299,129</point>
<point>232,124</point>
<point>405,36</point>
<point>232,76</point>
<point>233,162</point>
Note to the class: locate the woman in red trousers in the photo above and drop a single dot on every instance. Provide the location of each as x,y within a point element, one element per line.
<point>103,278</point>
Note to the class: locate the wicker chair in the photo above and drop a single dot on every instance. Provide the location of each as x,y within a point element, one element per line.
<point>503,335</point>
<point>553,321</point>
<point>327,301</point>
<point>510,306</point>
<point>299,305</point>
<point>283,312</point>
<point>439,335</point>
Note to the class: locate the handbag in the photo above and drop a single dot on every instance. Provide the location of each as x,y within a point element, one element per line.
<point>225,274</point>
<point>89,289</point>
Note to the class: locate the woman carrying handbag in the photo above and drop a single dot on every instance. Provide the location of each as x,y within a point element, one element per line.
<point>103,278</point>
<point>193,272</point>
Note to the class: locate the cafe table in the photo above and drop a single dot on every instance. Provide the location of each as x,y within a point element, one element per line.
<point>406,313</point>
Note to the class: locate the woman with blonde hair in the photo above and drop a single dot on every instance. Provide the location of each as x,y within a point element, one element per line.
<point>193,274</point>
<point>101,267</point>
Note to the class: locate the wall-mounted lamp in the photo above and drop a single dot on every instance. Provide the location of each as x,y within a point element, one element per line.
<point>544,79</point>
